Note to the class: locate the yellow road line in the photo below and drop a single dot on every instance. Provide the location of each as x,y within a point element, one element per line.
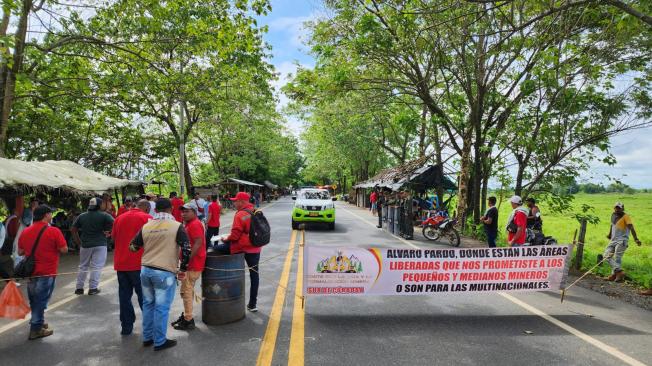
<point>266,353</point>
<point>583,336</point>
<point>297,337</point>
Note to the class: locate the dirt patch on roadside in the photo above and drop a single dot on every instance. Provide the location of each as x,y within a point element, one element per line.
<point>623,291</point>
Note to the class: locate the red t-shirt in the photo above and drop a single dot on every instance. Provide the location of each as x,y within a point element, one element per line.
<point>176,208</point>
<point>125,228</point>
<point>47,254</point>
<point>195,230</point>
<point>122,209</point>
<point>520,219</point>
<point>373,197</point>
<point>214,210</point>
<point>239,236</point>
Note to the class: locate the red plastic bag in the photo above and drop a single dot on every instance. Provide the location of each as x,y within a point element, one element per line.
<point>12,303</point>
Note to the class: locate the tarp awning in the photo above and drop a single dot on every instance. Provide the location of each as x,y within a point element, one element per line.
<point>244,182</point>
<point>270,185</point>
<point>51,175</point>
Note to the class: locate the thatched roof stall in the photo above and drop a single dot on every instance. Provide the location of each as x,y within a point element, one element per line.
<point>19,177</point>
<point>416,175</point>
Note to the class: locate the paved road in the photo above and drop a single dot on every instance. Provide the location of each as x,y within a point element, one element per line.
<point>465,329</point>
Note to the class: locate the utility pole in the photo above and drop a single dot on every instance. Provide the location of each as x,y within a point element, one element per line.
<point>182,152</point>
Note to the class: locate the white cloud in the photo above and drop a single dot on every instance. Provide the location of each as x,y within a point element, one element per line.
<point>293,26</point>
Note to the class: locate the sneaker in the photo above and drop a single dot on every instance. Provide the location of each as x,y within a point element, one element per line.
<point>611,278</point>
<point>253,309</point>
<point>79,291</point>
<point>42,333</point>
<point>94,291</point>
<point>181,318</point>
<point>148,343</point>
<point>169,343</point>
<point>185,325</point>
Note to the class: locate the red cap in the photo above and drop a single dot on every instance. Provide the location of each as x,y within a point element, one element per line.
<point>241,196</point>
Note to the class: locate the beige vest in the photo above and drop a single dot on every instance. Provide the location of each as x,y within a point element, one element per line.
<point>160,249</point>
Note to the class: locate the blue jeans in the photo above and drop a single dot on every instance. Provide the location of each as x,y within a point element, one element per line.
<point>128,282</point>
<point>491,238</point>
<point>39,291</point>
<point>158,292</point>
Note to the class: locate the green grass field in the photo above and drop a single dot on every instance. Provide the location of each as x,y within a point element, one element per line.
<point>637,261</point>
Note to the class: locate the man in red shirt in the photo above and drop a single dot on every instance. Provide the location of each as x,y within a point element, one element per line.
<point>517,223</point>
<point>238,242</point>
<point>176,206</point>
<point>373,198</point>
<point>126,206</point>
<point>213,219</point>
<point>197,237</point>
<point>127,263</point>
<point>51,244</point>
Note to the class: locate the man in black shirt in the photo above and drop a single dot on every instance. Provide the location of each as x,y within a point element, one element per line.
<point>490,221</point>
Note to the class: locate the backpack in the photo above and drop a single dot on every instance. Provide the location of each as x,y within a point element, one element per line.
<point>259,230</point>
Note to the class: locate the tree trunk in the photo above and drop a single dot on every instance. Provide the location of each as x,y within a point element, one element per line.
<point>422,133</point>
<point>186,174</point>
<point>518,187</point>
<point>465,173</point>
<point>438,160</point>
<point>9,85</point>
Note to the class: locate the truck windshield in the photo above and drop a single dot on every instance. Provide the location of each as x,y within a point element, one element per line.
<point>315,195</point>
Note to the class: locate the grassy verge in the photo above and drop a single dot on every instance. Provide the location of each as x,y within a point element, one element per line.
<point>637,261</point>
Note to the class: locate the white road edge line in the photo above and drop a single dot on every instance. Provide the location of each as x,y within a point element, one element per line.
<point>583,336</point>
<point>374,225</point>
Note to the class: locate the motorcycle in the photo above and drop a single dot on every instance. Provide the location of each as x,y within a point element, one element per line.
<point>535,237</point>
<point>440,225</point>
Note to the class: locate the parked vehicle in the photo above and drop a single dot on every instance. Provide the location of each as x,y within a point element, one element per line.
<point>535,237</point>
<point>439,225</point>
<point>313,205</point>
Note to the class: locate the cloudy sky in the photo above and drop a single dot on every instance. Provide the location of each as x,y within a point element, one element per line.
<point>286,35</point>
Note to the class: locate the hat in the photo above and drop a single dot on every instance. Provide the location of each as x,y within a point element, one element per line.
<point>94,203</point>
<point>619,205</point>
<point>241,196</point>
<point>516,199</point>
<point>128,199</point>
<point>188,206</point>
<point>41,211</point>
<point>163,204</point>
<point>150,195</point>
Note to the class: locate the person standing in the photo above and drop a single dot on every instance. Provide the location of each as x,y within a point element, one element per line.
<point>151,197</point>
<point>198,204</point>
<point>127,263</point>
<point>534,221</point>
<point>94,225</point>
<point>621,226</point>
<point>408,218</point>
<point>50,243</point>
<point>197,237</point>
<point>380,202</point>
<point>107,206</point>
<point>517,222</point>
<point>373,197</point>
<point>490,221</point>
<point>176,206</point>
<point>127,205</point>
<point>161,239</point>
<point>213,219</point>
<point>238,242</point>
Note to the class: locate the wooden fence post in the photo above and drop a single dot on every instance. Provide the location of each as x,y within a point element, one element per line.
<point>579,255</point>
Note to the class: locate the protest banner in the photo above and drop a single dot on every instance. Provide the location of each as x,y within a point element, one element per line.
<point>382,271</point>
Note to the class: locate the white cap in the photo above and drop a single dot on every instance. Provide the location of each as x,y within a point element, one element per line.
<point>516,199</point>
<point>619,205</point>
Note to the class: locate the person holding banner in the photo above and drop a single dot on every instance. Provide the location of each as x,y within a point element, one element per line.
<point>517,222</point>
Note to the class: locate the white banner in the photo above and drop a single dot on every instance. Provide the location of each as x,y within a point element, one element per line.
<point>332,270</point>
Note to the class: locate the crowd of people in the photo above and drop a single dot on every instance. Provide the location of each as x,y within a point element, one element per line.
<point>523,223</point>
<point>157,241</point>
